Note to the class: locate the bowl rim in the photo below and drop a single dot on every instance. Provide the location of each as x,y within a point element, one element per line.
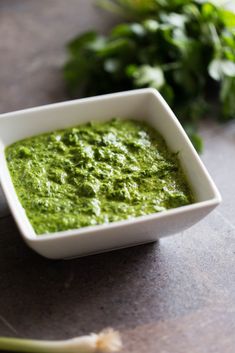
<point>34,238</point>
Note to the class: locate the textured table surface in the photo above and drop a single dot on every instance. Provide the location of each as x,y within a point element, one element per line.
<point>177,295</point>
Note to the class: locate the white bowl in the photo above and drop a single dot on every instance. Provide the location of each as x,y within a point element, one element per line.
<point>143,104</point>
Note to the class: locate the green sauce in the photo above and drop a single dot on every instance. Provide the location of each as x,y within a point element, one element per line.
<point>95,173</point>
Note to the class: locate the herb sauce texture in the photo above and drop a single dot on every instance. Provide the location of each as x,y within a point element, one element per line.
<point>95,173</point>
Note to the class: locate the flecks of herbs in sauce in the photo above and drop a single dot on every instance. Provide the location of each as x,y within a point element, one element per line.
<point>95,173</point>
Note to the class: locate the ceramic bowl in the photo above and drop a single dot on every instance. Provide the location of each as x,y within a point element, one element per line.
<point>143,104</point>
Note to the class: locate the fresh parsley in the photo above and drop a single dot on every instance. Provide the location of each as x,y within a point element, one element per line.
<point>185,49</point>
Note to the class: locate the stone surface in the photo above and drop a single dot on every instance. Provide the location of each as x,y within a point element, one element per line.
<point>177,295</point>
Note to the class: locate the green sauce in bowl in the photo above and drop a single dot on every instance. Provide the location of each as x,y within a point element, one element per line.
<point>95,173</point>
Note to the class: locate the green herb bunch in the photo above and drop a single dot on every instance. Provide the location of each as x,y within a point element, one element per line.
<point>183,48</point>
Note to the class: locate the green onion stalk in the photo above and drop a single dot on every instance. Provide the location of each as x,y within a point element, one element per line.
<point>103,342</point>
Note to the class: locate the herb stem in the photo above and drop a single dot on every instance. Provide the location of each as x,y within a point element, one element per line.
<point>171,66</point>
<point>106,341</point>
<point>215,38</point>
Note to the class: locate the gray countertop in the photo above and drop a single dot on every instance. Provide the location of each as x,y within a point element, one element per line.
<point>177,295</point>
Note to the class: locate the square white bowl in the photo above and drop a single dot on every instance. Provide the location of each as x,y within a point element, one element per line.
<point>144,104</point>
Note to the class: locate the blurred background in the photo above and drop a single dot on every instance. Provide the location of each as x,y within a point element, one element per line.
<point>56,50</point>
<point>33,36</point>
